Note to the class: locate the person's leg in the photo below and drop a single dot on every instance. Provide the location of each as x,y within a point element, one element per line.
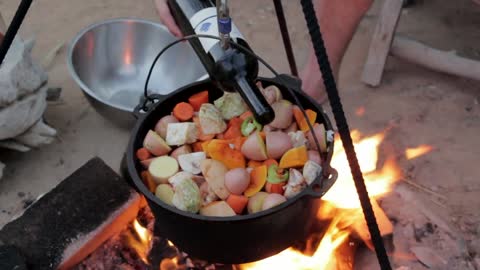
<point>338,21</point>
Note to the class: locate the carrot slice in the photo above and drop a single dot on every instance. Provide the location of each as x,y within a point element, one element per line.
<point>198,99</point>
<point>238,142</point>
<point>269,162</point>
<point>275,188</point>
<point>300,118</point>
<point>237,202</point>
<point>143,154</point>
<point>254,164</point>
<point>183,111</point>
<point>245,115</point>
<point>233,130</point>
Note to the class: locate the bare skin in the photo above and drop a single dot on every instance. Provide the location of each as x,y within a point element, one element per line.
<point>338,19</point>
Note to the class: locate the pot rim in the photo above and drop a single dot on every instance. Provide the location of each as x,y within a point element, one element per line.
<point>134,174</point>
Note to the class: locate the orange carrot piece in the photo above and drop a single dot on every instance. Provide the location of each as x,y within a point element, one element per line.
<point>200,135</point>
<point>269,162</point>
<point>197,147</point>
<point>275,188</point>
<point>148,181</point>
<point>245,115</point>
<point>220,150</point>
<point>238,142</point>
<point>183,111</point>
<point>254,164</point>
<point>198,99</point>
<point>233,130</point>
<point>237,202</point>
<point>143,154</point>
<point>220,136</point>
<point>300,118</point>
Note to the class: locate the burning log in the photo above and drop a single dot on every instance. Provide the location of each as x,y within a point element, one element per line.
<point>74,219</point>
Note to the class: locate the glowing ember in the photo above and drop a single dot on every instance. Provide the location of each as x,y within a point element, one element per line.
<point>142,245</point>
<point>360,111</point>
<point>345,208</point>
<point>412,153</point>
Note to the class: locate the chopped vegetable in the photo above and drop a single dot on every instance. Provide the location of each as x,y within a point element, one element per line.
<point>197,146</point>
<point>298,138</point>
<point>155,144</point>
<point>319,131</point>
<point>183,111</point>
<point>200,134</point>
<point>283,114</point>
<point>237,180</point>
<point>254,163</point>
<point>237,202</point>
<point>198,99</point>
<point>187,196</point>
<point>231,105</point>
<point>254,147</point>
<point>145,163</point>
<point>295,157</point>
<point>191,162</point>
<point>207,194</point>
<point>272,200</point>
<point>277,143</point>
<point>311,171</point>
<point>181,133</point>
<point>300,118</point>
<point>143,154</point>
<point>182,150</point>
<point>292,128</point>
<point>220,150</point>
<point>162,168</point>
<point>295,185</point>
<point>275,175</point>
<point>161,126</point>
<point>245,115</point>
<point>233,131</point>
<point>147,180</point>
<point>269,162</point>
<point>217,209</point>
<point>314,156</point>
<point>214,173</point>
<point>211,120</point>
<point>272,94</point>
<point>238,143</point>
<point>205,147</point>
<point>249,125</point>
<point>165,193</point>
<point>255,203</point>
<point>178,177</point>
<point>275,188</point>
<point>258,178</point>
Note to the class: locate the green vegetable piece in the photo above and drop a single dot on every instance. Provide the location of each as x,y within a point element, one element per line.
<point>230,105</point>
<point>249,125</point>
<point>274,177</point>
<point>187,196</point>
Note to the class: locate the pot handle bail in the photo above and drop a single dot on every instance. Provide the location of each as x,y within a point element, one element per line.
<point>318,188</point>
<point>146,104</point>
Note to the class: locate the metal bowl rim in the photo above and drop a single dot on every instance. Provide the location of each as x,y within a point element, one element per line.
<point>82,33</point>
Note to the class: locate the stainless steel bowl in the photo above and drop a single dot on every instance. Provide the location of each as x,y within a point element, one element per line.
<point>110,62</point>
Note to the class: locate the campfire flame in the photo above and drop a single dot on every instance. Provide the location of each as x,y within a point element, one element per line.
<point>412,153</point>
<point>140,242</point>
<point>343,207</point>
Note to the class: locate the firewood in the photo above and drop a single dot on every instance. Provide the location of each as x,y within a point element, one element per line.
<point>74,219</point>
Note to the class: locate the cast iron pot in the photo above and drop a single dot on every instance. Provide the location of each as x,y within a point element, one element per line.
<point>230,240</point>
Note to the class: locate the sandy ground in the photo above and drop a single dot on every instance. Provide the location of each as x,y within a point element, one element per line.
<point>424,107</point>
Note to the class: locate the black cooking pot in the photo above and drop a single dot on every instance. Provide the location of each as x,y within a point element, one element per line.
<point>242,238</point>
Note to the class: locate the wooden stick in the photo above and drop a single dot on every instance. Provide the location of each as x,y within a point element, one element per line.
<point>434,59</point>
<point>381,42</point>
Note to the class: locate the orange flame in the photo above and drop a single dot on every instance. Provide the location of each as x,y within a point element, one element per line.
<point>144,236</point>
<point>345,206</point>
<point>412,153</point>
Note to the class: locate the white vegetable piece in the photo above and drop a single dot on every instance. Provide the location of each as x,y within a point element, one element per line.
<point>211,119</point>
<point>191,162</point>
<point>187,196</point>
<point>181,133</point>
<point>231,105</point>
<point>207,194</point>
<point>178,177</point>
<point>298,138</point>
<point>311,170</point>
<point>162,168</point>
<point>296,184</point>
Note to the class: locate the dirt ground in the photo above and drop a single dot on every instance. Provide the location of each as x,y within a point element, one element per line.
<point>422,106</point>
